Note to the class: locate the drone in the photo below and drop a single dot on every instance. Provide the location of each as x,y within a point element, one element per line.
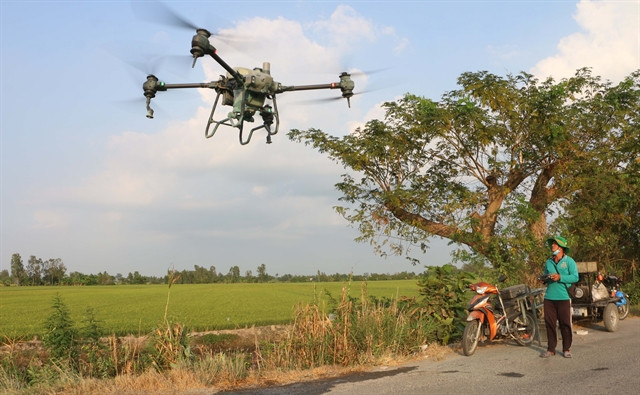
<point>249,92</point>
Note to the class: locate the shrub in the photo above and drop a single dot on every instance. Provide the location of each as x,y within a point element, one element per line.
<point>443,291</point>
<point>95,359</point>
<point>169,345</point>
<point>61,336</point>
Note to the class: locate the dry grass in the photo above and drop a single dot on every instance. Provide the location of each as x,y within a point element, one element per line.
<point>358,332</point>
<point>216,372</point>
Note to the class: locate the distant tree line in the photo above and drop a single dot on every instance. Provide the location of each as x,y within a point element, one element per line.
<point>54,272</point>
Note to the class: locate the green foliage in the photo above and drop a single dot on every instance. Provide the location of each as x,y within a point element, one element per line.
<point>91,329</point>
<point>444,296</point>
<point>632,288</point>
<point>214,338</point>
<point>603,218</point>
<point>18,272</point>
<point>483,166</point>
<point>53,272</point>
<point>95,358</point>
<point>60,334</point>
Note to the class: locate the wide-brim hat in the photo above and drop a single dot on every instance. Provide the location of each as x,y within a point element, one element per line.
<point>562,242</point>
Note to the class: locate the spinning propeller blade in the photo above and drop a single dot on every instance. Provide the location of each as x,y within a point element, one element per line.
<point>157,12</point>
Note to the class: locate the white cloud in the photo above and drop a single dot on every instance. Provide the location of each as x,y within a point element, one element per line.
<point>400,47</point>
<point>345,27</point>
<point>111,217</point>
<point>259,190</point>
<point>49,219</point>
<point>609,42</point>
<point>278,188</point>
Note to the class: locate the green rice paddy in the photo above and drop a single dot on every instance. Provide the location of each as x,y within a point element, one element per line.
<point>130,309</point>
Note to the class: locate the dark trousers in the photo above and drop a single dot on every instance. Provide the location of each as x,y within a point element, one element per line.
<point>558,311</point>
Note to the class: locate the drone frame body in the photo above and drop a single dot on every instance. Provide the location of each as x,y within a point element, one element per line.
<point>244,89</point>
<point>247,98</point>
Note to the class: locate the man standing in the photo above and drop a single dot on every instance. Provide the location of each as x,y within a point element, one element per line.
<point>562,272</point>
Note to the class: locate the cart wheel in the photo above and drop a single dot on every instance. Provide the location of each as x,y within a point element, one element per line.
<point>610,317</point>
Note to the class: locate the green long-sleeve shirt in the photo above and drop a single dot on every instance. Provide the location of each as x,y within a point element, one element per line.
<point>556,290</point>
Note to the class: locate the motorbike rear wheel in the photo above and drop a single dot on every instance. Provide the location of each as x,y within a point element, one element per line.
<point>526,329</point>
<point>623,311</point>
<point>470,337</point>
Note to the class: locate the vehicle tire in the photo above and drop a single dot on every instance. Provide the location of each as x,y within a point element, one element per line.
<point>610,317</point>
<point>525,331</point>
<point>470,337</point>
<point>623,311</point>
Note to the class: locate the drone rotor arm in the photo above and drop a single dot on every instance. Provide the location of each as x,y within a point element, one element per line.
<point>333,85</point>
<point>346,85</point>
<point>153,85</point>
<point>210,85</point>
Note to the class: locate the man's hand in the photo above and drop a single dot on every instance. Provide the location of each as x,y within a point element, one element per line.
<point>555,277</point>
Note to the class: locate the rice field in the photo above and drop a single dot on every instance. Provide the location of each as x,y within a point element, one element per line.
<point>130,309</point>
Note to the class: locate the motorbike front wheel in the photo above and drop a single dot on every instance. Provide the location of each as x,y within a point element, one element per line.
<point>470,337</point>
<point>525,329</point>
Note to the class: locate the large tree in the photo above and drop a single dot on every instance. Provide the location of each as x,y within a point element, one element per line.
<point>53,271</point>
<point>34,270</point>
<point>482,167</point>
<point>18,272</point>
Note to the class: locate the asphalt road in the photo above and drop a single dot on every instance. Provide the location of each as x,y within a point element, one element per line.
<point>603,362</point>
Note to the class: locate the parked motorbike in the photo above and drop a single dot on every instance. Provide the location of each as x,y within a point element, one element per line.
<point>510,318</point>
<point>613,283</point>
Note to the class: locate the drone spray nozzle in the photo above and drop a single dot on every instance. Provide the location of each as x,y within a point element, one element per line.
<point>149,109</point>
<point>201,46</point>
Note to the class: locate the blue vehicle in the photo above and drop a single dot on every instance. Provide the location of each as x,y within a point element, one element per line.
<point>613,283</point>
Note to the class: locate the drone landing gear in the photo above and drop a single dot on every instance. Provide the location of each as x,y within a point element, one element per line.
<point>236,120</point>
<point>267,120</point>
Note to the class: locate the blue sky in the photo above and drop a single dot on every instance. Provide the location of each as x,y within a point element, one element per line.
<point>87,178</point>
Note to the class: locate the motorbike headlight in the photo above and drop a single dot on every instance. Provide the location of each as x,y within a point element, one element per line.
<point>481,290</point>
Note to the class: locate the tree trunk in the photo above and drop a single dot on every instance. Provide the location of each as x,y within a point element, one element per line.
<point>539,227</point>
